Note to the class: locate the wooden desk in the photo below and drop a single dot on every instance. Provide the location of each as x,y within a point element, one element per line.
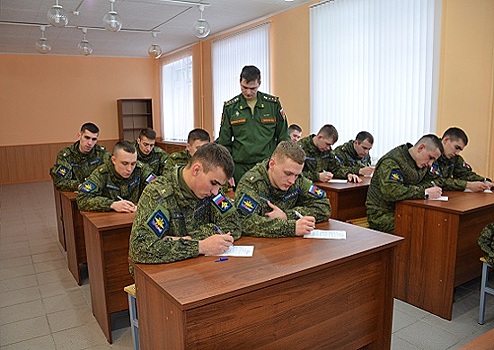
<point>294,293</point>
<point>440,250</point>
<point>74,234</point>
<point>107,246</point>
<point>483,342</point>
<point>348,199</point>
<point>58,210</point>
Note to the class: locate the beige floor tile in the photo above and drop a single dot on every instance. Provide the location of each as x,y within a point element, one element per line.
<point>14,253</point>
<point>41,343</point>
<point>21,311</point>
<point>66,319</point>
<point>18,283</point>
<point>17,272</point>
<point>23,330</point>
<point>58,288</point>
<point>19,296</point>
<point>45,248</point>
<point>72,299</point>
<point>59,275</point>
<point>43,257</point>
<point>79,338</point>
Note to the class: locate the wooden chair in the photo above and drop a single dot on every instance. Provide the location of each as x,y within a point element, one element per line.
<point>362,222</point>
<point>134,324</point>
<point>484,288</point>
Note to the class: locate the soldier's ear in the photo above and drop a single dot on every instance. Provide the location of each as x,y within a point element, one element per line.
<point>195,168</point>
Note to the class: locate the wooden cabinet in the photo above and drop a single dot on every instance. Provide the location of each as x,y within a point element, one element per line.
<point>133,116</point>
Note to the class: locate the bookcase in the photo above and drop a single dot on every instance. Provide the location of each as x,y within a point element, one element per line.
<point>134,115</point>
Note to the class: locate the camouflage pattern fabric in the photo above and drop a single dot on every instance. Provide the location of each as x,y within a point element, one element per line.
<point>395,178</point>
<point>316,161</point>
<point>252,137</point>
<point>156,159</point>
<point>73,167</point>
<point>255,190</point>
<point>104,186</point>
<point>348,157</point>
<point>486,242</point>
<point>168,208</point>
<point>180,158</point>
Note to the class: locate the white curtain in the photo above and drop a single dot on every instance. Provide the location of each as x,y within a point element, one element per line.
<point>177,99</point>
<point>229,55</point>
<point>374,68</point>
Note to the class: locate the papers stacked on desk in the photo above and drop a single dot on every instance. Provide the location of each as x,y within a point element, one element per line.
<point>442,198</point>
<point>240,251</point>
<point>327,234</point>
<point>337,181</point>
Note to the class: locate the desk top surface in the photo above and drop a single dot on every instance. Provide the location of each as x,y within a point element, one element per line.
<point>71,195</point>
<point>109,220</point>
<point>342,187</point>
<point>200,280</point>
<point>458,202</point>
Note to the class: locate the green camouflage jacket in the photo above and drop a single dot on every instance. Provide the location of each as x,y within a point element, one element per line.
<point>180,158</point>
<point>168,208</point>
<point>104,186</point>
<point>452,174</point>
<point>348,157</point>
<point>156,159</point>
<point>72,167</point>
<point>316,161</point>
<point>395,178</point>
<point>486,242</point>
<point>255,190</point>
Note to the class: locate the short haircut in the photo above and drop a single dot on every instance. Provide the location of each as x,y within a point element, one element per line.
<point>294,127</point>
<point>91,127</point>
<point>289,149</point>
<point>327,131</point>
<point>432,142</point>
<point>211,156</point>
<point>456,134</point>
<point>147,133</point>
<point>364,135</point>
<point>125,145</point>
<point>198,134</point>
<point>250,73</point>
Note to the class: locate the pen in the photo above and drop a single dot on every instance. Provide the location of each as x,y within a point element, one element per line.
<point>120,198</point>
<point>300,216</point>
<point>218,230</point>
<point>223,258</point>
<point>433,183</point>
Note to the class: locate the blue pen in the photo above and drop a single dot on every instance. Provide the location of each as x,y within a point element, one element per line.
<point>218,230</point>
<point>223,258</point>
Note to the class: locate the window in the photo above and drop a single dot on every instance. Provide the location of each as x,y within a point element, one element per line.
<point>374,68</point>
<point>177,100</point>
<point>229,55</point>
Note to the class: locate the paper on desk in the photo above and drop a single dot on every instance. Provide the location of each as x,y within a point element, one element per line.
<point>485,191</point>
<point>338,181</point>
<point>327,234</point>
<point>239,250</point>
<point>442,198</point>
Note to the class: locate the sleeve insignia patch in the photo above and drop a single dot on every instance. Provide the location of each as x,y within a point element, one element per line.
<point>88,187</point>
<point>62,171</point>
<point>150,178</point>
<point>247,204</point>
<point>316,191</point>
<point>291,195</point>
<point>395,175</point>
<point>222,203</point>
<point>158,222</point>
<point>466,166</point>
<point>435,170</point>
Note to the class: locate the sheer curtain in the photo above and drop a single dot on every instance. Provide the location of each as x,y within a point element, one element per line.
<point>229,55</point>
<point>374,68</point>
<point>177,99</point>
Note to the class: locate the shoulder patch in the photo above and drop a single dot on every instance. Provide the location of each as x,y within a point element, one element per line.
<point>271,98</point>
<point>340,160</point>
<point>435,170</point>
<point>150,178</point>
<point>466,166</point>
<point>247,204</point>
<point>232,101</point>
<point>158,222</point>
<point>221,202</point>
<point>395,175</point>
<point>62,170</point>
<point>316,191</point>
<point>88,187</point>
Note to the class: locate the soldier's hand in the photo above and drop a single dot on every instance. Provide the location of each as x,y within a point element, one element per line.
<point>123,206</point>
<point>304,225</point>
<point>366,171</point>
<point>325,176</point>
<point>434,192</point>
<point>215,244</point>
<point>354,178</point>
<point>276,213</point>
<point>477,186</point>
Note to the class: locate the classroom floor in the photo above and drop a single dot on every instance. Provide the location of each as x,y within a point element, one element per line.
<point>42,307</point>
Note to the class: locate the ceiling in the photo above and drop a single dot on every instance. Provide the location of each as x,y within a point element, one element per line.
<point>173,21</point>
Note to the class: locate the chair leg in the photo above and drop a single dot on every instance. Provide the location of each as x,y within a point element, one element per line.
<point>133,321</point>
<point>483,286</point>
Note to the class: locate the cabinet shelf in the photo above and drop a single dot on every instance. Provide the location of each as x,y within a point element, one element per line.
<point>134,115</point>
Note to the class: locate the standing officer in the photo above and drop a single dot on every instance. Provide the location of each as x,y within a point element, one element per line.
<point>355,154</point>
<point>275,200</point>
<point>76,162</point>
<point>148,153</point>
<point>252,124</point>
<point>117,185</point>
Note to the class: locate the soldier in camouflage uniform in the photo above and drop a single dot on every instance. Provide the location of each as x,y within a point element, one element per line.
<point>354,154</point>
<point>450,171</point>
<point>252,123</point>
<point>270,194</point>
<point>486,242</point>
<point>149,153</point>
<point>76,162</point>
<point>183,213</point>
<point>116,185</point>
<point>196,138</point>
<point>400,174</point>
<point>295,132</point>
<point>320,161</point>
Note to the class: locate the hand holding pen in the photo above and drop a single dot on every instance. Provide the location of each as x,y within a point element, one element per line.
<point>304,225</point>
<point>216,244</point>
<point>123,206</point>
<point>433,192</point>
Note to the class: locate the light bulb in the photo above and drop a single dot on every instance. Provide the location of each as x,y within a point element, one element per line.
<point>57,16</point>
<point>42,46</point>
<point>85,47</point>
<point>155,51</point>
<point>201,28</point>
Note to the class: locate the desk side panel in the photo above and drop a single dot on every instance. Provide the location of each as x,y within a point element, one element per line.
<point>59,213</point>
<point>70,225</point>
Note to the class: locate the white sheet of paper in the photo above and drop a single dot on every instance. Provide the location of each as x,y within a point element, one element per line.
<point>338,181</point>
<point>442,198</point>
<point>239,250</point>
<point>327,234</point>
<point>469,191</point>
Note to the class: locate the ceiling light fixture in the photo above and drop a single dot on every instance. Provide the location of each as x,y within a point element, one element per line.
<point>84,46</point>
<point>112,20</point>
<point>42,45</point>
<point>201,27</point>
<point>57,16</point>
<point>155,50</point>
